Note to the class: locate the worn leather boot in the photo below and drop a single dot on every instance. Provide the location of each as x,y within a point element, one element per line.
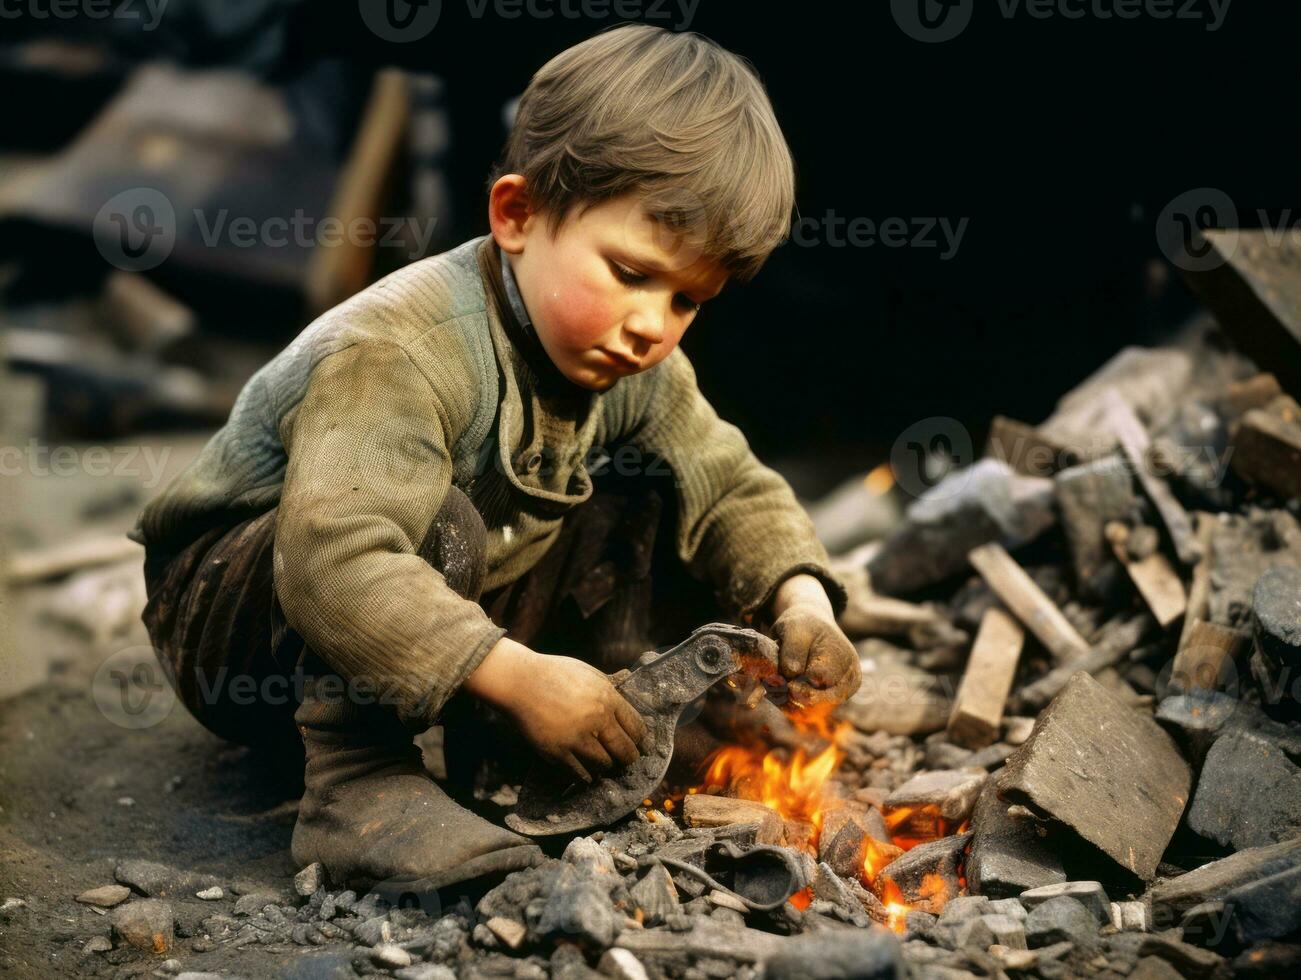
<point>370,814</point>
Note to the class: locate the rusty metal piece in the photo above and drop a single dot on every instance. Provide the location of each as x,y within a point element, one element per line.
<point>761,876</point>
<point>552,801</point>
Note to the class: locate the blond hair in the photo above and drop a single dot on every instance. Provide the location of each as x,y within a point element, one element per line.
<point>672,116</point>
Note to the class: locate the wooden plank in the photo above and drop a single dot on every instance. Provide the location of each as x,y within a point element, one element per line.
<point>1254,290</point>
<point>977,714</point>
<point>705,810</point>
<point>37,565</point>
<point>1199,591</point>
<point>1254,392</point>
<point>1204,658</point>
<point>1116,643</point>
<point>1027,450</point>
<point>1153,576</point>
<point>1028,603</point>
<point>1267,447</point>
<point>1134,441</point>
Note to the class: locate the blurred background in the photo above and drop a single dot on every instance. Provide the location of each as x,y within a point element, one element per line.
<point>184,184</point>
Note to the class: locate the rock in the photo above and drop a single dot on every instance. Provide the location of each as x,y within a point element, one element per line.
<point>255,902</point>
<point>726,901</point>
<point>588,854</point>
<point>1268,961</point>
<point>1008,906</point>
<point>621,964</point>
<point>1089,496</point>
<point>1269,908</point>
<point>390,955</point>
<point>160,881</point>
<point>1008,932</point>
<point>509,931</point>
<point>105,896</point>
<point>97,944</point>
<point>1154,968</point>
<point>1189,961</point>
<point>949,794</point>
<point>861,954</point>
<point>212,894</point>
<point>578,908</point>
<point>425,971</point>
<point>1243,548</point>
<point>1090,894</point>
<point>970,507</point>
<point>145,924</point>
<point>700,938</point>
<point>1276,618</point>
<point>311,878</point>
<point>1248,794</point>
<point>963,908</point>
<point>1058,920</point>
<point>1008,856</point>
<point>927,876</point>
<point>1106,771</point>
<point>1129,916</point>
<point>705,810</point>
<point>1170,899</point>
<point>655,894</point>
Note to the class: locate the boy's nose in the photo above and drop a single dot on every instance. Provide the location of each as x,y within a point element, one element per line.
<point>646,325</point>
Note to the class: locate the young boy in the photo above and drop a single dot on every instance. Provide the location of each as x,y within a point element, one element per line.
<point>410,499</point>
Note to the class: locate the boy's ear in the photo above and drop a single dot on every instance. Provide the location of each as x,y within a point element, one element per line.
<point>509,212</point>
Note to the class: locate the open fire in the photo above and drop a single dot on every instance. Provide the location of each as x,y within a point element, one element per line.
<point>799,785</point>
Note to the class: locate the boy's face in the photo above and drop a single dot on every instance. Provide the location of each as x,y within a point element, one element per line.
<point>611,292</point>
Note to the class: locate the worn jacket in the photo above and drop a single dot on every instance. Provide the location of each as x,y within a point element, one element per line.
<point>428,379</point>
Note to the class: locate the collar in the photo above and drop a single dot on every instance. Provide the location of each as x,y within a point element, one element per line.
<point>512,293</point>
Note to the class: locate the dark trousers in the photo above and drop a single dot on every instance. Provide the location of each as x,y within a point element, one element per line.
<point>607,590</point>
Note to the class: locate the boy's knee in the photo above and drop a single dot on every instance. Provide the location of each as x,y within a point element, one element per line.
<point>457,545</point>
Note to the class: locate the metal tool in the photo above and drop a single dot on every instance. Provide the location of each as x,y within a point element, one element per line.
<point>553,801</point>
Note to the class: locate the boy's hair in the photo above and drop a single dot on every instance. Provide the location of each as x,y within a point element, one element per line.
<point>671,116</point>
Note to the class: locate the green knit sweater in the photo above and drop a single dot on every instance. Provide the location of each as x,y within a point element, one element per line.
<point>428,379</point>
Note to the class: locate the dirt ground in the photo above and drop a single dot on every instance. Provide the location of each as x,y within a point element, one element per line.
<point>85,784</point>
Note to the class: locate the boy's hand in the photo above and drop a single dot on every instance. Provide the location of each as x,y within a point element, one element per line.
<point>568,710</point>
<point>814,655</point>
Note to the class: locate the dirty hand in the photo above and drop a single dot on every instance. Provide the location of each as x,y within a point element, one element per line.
<point>814,655</point>
<point>571,713</point>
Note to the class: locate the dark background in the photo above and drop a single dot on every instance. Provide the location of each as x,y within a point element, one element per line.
<point>1059,140</point>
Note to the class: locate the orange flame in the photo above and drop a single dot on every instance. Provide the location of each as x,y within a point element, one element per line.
<point>795,785</point>
<point>795,788</point>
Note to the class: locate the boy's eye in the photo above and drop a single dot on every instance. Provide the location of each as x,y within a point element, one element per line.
<point>630,276</point>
